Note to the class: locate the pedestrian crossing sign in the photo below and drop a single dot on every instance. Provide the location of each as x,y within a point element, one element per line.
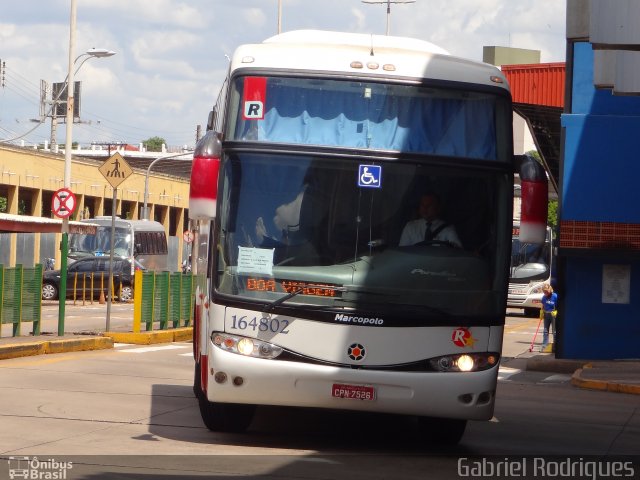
<point>116,170</point>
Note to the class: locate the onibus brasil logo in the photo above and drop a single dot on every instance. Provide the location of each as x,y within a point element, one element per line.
<point>36,469</point>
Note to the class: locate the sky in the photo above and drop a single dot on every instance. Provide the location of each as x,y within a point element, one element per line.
<point>171,55</point>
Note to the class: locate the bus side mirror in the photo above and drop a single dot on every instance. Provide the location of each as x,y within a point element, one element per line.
<point>535,200</point>
<point>213,116</point>
<point>203,186</point>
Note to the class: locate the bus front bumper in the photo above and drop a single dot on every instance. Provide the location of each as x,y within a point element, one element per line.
<point>248,380</point>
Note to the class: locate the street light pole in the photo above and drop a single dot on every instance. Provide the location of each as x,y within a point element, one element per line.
<point>64,245</point>
<point>145,209</point>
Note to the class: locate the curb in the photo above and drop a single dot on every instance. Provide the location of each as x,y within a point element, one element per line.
<point>576,369</point>
<point>602,385</point>
<point>554,365</point>
<point>148,338</point>
<point>44,347</point>
<point>106,341</point>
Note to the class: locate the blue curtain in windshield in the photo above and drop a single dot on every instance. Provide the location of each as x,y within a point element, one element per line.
<point>462,127</point>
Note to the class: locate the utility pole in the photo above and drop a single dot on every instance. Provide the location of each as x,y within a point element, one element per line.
<point>50,108</point>
<point>388,3</point>
<point>279,17</point>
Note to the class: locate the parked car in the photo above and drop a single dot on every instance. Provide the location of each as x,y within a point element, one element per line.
<point>79,279</point>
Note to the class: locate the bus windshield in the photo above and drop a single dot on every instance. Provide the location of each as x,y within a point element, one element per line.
<point>100,244</point>
<point>530,261</point>
<point>301,225</point>
<point>367,115</point>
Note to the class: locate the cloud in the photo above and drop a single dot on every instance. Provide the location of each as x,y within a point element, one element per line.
<point>170,59</point>
<point>158,12</point>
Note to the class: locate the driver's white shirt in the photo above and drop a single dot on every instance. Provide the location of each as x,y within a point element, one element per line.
<point>413,233</point>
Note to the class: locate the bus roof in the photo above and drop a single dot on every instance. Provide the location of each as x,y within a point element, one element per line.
<point>360,54</point>
<point>146,225</point>
<point>321,37</point>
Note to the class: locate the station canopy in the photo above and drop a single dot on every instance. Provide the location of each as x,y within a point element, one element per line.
<point>538,92</point>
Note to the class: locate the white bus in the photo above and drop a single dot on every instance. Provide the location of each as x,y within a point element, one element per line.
<point>319,149</point>
<point>531,267</point>
<point>142,240</point>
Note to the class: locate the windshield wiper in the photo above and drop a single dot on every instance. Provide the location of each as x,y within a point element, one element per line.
<point>270,306</point>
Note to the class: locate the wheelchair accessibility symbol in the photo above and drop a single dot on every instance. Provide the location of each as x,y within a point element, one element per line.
<point>370,176</point>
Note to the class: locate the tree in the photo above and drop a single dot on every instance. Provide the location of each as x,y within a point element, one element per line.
<point>552,215</point>
<point>154,144</point>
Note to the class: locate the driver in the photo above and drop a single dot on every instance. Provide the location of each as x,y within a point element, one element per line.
<point>429,227</point>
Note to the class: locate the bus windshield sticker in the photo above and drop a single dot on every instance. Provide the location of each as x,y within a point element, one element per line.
<point>370,176</point>
<point>254,98</point>
<point>255,260</point>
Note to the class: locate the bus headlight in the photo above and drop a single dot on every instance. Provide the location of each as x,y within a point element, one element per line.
<point>245,346</point>
<point>250,347</point>
<point>464,362</point>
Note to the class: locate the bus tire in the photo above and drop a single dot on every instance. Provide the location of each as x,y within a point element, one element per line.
<point>442,431</point>
<point>197,383</point>
<point>225,417</point>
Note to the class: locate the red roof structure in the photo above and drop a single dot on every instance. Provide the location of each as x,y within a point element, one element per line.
<point>537,84</point>
<point>538,92</point>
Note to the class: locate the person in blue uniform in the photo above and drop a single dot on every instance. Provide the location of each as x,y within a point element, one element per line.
<point>549,312</point>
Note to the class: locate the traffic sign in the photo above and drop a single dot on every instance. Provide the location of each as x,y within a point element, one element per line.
<point>116,170</point>
<point>187,236</point>
<point>63,203</point>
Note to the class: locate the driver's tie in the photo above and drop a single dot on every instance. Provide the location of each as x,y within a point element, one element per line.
<point>428,234</point>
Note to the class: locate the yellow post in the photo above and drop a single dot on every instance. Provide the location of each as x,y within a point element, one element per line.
<point>137,301</point>
<point>102,300</point>
<point>84,287</point>
<point>91,288</point>
<point>75,286</point>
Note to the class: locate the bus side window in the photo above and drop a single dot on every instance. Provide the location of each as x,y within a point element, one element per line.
<point>140,247</point>
<point>155,242</point>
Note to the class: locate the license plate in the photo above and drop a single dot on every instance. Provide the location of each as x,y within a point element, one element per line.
<point>355,392</point>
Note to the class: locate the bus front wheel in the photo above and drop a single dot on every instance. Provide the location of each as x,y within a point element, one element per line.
<point>225,417</point>
<point>442,431</point>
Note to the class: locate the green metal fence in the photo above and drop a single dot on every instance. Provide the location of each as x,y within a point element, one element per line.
<point>21,297</point>
<point>163,299</point>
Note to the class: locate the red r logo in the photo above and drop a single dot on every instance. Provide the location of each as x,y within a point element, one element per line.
<point>462,337</point>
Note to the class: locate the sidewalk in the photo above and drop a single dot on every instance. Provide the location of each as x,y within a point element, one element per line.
<point>622,376</point>
<point>84,330</point>
<point>14,347</point>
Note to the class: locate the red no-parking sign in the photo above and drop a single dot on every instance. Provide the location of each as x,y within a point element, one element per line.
<point>63,203</point>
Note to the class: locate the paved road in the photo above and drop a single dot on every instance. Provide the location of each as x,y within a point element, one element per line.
<point>130,412</point>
